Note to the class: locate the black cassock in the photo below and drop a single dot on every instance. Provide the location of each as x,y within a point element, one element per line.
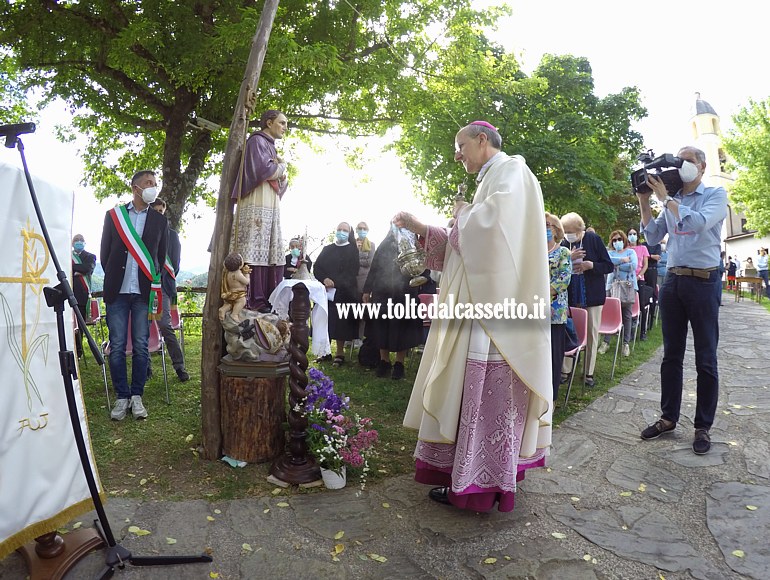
<point>340,264</point>
<point>385,281</point>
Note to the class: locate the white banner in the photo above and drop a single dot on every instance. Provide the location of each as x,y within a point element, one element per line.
<point>42,485</point>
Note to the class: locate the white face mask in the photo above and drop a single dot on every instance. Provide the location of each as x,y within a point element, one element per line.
<point>688,171</point>
<point>571,238</point>
<point>149,194</point>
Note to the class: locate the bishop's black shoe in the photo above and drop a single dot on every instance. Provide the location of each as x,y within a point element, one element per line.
<point>440,495</point>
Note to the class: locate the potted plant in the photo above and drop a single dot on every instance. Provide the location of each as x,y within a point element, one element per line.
<point>334,437</point>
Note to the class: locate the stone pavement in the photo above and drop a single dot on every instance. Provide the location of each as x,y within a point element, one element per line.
<point>609,506</point>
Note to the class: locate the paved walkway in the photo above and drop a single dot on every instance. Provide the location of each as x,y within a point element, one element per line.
<point>609,506</point>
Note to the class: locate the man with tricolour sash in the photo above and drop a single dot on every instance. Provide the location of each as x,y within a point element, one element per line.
<point>133,251</point>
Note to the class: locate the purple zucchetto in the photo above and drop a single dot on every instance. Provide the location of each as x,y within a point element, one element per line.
<point>484,124</point>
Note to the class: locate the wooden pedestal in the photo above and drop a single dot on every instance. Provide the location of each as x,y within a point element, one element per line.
<point>51,556</point>
<point>253,407</point>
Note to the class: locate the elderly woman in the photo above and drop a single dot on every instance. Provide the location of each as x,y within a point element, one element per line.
<point>337,267</point>
<point>366,250</point>
<point>590,264</point>
<point>644,263</point>
<point>560,266</point>
<point>625,260</point>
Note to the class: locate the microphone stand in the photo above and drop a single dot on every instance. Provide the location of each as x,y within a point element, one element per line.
<point>55,297</point>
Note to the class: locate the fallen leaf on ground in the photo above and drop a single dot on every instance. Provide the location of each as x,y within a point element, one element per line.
<point>276,491</point>
<point>213,574</point>
<point>282,504</point>
<point>558,535</point>
<point>378,558</point>
<point>386,505</point>
<point>751,508</point>
<point>339,535</point>
<point>170,541</point>
<point>264,511</point>
<point>587,557</point>
<point>138,531</point>
<point>490,560</point>
<point>573,498</point>
<point>210,518</point>
<point>338,549</point>
<point>642,487</point>
<point>739,553</point>
<point>625,494</point>
<point>76,525</point>
<point>247,547</point>
<point>188,438</point>
<point>117,441</point>
<point>142,481</point>
<point>217,511</point>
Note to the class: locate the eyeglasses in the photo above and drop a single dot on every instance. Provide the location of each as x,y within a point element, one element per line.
<point>616,240</point>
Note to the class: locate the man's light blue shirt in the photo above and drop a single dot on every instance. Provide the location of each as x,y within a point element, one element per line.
<point>130,283</point>
<point>695,240</point>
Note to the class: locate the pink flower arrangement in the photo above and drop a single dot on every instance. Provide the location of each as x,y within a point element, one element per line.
<point>335,439</point>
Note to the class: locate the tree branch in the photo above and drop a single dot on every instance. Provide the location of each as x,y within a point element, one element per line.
<point>365,52</point>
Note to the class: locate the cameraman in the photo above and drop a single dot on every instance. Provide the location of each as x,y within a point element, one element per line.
<point>690,294</point>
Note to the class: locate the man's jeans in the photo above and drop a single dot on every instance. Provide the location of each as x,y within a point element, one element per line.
<point>686,299</point>
<point>763,275</point>
<point>133,308</point>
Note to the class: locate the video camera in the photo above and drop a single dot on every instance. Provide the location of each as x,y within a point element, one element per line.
<point>670,177</point>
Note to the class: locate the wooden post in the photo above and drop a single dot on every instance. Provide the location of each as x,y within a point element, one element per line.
<point>220,246</point>
<point>297,466</point>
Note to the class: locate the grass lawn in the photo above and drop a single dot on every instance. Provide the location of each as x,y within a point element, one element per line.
<point>158,458</point>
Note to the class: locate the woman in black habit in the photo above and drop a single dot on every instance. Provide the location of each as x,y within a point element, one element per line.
<point>337,268</point>
<point>385,281</point>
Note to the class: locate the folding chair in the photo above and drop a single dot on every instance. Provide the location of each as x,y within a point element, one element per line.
<point>155,344</point>
<point>580,320</point>
<point>635,311</point>
<point>95,317</point>
<point>177,324</point>
<point>612,324</point>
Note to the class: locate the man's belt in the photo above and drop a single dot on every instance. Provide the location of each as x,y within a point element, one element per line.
<point>697,272</point>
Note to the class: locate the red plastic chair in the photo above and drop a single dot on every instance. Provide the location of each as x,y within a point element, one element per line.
<point>612,324</point>
<point>580,320</point>
<point>177,324</point>
<point>95,317</point>
<point>155,344</point>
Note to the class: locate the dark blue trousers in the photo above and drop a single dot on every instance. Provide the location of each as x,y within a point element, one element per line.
<point>690,300</point>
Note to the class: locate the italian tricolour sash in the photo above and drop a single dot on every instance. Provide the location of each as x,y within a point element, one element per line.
<point>138,250</point>
<point>85,279</point>
<point>169,268</point>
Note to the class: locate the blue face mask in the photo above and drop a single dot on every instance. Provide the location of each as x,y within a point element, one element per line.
<point>79,246</point>
<point>295,252</point>
<point>618,246</point>
<point>342,236</point>
<point>362,234</point>
<point>548,234</point>
<point>632,238</point>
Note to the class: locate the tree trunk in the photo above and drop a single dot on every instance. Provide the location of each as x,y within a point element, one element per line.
<point>220,244</point>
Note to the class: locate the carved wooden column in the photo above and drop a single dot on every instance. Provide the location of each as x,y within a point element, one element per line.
<point>297,465</point>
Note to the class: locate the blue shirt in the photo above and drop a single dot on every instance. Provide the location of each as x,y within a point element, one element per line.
<point>130,283</point>
<point>625,271</point>
<point>693,241</point>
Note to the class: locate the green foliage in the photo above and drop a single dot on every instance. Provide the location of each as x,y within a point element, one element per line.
<point>577,144</point>
<point>135,74</point>
<point>749,145</point>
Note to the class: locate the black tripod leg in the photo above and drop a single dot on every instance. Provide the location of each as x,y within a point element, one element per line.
<point>169,560</point>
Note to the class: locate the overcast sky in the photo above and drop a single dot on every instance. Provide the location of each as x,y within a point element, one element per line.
<point>668,50</point>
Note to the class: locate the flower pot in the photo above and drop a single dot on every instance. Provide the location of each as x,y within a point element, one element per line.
<point>333,480</point>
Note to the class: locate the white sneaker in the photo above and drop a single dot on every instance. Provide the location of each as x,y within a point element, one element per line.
<point>120,409</point>
<point>604,347</point>
<point>137,408</point>
<point>626,350</point>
